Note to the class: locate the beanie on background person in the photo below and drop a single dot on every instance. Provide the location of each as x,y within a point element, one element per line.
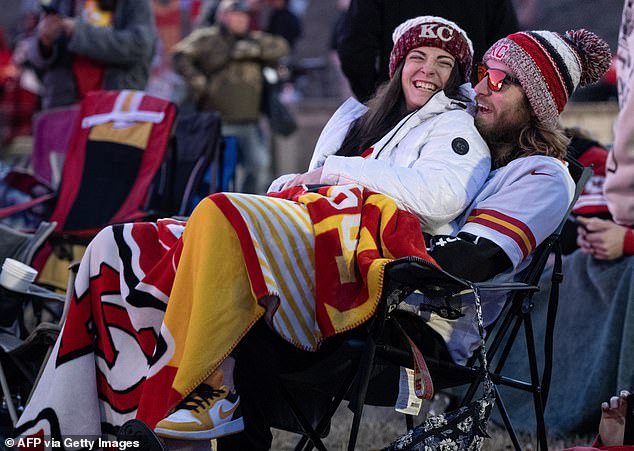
<point>432,31</point>
<point>549,66</point>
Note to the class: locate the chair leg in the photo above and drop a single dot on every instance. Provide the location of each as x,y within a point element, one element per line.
<point>309,432</point>
<point>506,420</point>
<point>7,396</point>
<point>363,379</point>
<point>537,391</point>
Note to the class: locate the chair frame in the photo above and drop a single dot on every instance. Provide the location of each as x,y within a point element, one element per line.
<point>45,332</point>
<point>410,273</point>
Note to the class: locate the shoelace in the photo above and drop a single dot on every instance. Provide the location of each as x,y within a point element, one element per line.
<point>201,397</point>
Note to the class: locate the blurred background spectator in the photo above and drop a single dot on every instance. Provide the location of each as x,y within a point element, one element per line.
<point>222,66</point>
<point>283,22</point>
<point>91,44</point>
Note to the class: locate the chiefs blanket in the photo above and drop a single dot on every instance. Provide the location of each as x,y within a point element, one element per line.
<point>312,263</point>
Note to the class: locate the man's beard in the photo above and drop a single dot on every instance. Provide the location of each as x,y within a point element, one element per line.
<point>503,136</point>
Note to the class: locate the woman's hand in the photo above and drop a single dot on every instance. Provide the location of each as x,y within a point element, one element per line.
<point>307,178</point>
<point>601,238</point>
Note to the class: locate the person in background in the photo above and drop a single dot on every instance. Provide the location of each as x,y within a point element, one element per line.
<point>283,22</point>
<point>222,67</point>
<point>90,45</point>
<point>612,426</point>
<point>364,44</point>
<point>619,184</point>
<point>593,229</point>
<point>591,203</point>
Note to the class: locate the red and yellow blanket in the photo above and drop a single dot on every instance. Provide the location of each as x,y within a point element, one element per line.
<point>312,263</point>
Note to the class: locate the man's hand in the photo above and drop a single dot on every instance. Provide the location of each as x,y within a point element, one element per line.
<point>601,238</point>
<point>49,29</point>
<point>612,425</point>
<point>307,178</point>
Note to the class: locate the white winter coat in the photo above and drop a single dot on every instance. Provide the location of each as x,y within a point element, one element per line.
<point>433,163</point>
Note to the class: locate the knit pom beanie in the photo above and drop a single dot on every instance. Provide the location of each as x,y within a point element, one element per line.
<point>550,66</point>
<point>432,31</point>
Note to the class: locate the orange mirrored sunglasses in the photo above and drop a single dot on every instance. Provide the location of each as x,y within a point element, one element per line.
<point>495,77</point>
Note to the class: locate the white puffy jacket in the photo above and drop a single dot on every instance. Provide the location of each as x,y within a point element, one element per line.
<point>433,163</point>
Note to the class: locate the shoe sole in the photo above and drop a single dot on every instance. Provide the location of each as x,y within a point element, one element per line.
<point>231,427</point>
<point>137,430</point>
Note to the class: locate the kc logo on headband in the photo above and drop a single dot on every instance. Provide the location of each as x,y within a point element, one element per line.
<point>434,31</point>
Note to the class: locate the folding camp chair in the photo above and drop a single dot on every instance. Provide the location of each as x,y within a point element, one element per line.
<point>196,146</point>
<point>377,351</point>
<point>117,146</point>
<point>52,131</point>
<point>24,347</point>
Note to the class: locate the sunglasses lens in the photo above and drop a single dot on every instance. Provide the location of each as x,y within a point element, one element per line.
<point>496,79</point>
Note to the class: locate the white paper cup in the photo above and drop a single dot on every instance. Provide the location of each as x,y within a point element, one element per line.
<point>16,275</point>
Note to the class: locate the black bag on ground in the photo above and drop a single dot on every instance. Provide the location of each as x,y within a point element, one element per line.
<point>281,120</point>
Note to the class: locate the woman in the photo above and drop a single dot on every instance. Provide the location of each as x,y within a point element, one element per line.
<point>312,267</point>
<point>402,144</point>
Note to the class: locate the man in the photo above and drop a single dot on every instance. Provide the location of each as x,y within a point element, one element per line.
<point>222,65</point>
<point>103,44</point>
<point>365,39</point>
<point>525,83</point>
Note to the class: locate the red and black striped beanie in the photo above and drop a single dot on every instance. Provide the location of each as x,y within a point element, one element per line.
<point>550,66</point>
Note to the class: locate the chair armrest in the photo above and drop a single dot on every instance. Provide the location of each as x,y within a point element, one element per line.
<point>505,286</point>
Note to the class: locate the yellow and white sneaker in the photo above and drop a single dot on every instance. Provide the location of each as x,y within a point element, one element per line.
<point>205,414</point>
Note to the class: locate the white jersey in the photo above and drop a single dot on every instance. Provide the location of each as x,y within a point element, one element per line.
<point>519,206</point>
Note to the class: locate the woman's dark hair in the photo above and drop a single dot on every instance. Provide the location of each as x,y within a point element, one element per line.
<point>385,110</point>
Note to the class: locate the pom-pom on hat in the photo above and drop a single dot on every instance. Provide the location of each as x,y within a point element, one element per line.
<point>432,31</point>
<point>550,66</point>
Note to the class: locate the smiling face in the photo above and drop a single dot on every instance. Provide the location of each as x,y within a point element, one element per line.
<point>425,72</point>
<point>500,115</point>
